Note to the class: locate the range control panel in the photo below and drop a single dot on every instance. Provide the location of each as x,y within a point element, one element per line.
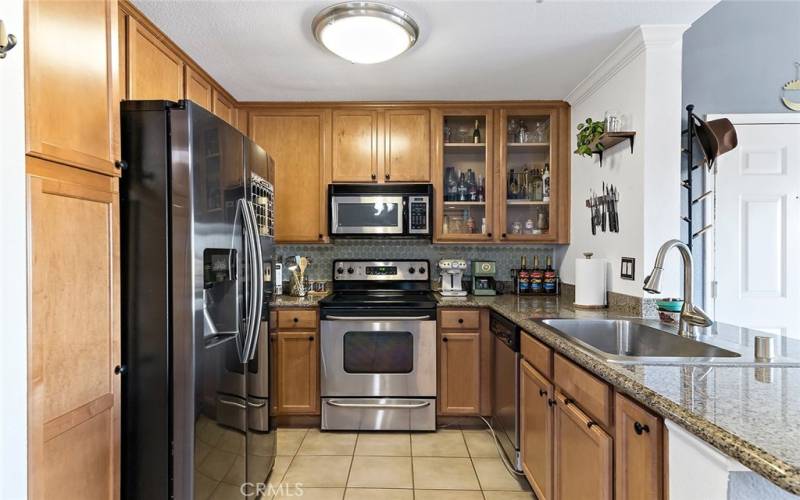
<point>381,270</point>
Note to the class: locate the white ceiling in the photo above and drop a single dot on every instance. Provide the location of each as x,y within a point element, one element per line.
<point>468,50</point>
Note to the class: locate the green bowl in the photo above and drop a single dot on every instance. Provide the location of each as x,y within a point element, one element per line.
<point>671,305</point>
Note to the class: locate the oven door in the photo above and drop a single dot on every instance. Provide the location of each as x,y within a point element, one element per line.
<point>356,215</point>
<point>392,357</point>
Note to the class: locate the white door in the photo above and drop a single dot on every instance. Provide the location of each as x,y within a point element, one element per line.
<point>757,228</point>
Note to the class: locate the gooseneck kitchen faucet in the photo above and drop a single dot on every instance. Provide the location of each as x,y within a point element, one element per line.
<point>692,316</point>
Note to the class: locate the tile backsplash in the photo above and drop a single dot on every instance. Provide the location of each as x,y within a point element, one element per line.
<point>507,257</point>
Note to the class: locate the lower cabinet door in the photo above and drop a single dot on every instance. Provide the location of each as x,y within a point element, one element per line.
<point>459,373</point>
<point>298,373</point>
<point>536,443</point>
<point>583,455</point>
<point>638,454</point>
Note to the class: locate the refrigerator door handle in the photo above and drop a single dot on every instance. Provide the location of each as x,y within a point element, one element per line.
<point>230,402</point>
<point>254,282</point>
<point>249,274</point>
<point>258,267</point>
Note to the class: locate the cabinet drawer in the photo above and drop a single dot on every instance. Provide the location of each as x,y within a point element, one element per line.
<point>460,319</point>
<point>589,392</point>
<point>537,354</point>
<point>297,319</point>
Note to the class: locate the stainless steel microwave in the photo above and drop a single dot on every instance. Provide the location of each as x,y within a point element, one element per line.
<point>380,210</point>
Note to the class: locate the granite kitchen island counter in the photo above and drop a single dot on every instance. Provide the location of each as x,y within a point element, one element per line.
<point>750,412</point>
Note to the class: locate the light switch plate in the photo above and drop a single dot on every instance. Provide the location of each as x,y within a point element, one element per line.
<point>627,268</point>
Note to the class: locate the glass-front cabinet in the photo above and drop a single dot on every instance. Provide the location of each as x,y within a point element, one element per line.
<point>464,183</point>
<point>527,177</point>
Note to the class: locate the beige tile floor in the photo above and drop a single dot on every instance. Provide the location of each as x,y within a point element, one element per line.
<point>450,464</point>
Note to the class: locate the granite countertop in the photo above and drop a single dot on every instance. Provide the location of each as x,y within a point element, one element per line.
<point>749,411</point>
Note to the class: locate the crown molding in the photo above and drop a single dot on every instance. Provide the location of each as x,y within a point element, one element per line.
<point>641,39</point>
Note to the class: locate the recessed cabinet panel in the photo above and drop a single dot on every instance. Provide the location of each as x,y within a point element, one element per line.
<point>224,108</point>
<point>198,89</point>
<point>355,146</point>
<point>459,373</point>
<point>298,373</point>
<point>154,70</point>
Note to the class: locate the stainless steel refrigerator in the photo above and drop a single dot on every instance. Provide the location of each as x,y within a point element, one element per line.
<point>197,250</point>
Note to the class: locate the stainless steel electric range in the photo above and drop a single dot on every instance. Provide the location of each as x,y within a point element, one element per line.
<point>378,342</point>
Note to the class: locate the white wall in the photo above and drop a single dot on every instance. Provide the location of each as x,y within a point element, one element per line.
<point>641,81</point>
<point>13,366</point>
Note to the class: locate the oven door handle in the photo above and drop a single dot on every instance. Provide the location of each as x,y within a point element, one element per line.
<point>378,318</point>
<point>419,404</point>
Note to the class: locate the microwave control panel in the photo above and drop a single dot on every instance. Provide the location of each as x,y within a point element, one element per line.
<point>418,215</point>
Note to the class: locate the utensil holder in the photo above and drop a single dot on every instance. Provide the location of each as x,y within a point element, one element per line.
<point>297,285</point>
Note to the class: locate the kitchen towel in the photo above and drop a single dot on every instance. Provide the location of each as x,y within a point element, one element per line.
<point>590,282</point>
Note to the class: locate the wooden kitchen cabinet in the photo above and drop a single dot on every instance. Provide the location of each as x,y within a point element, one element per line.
<point>72,93</point>
<point>223,107</point>
<point>459,373</point>
<point>74,333</point>
<point>407,145</point>
<point>536,427</point>
<point>355,146</point>
<point>298,140</point>
<point>198,89</point>
<point>638,454</point>
<point>154,71</point>
<point>297,355</point>
<point>583,455</point>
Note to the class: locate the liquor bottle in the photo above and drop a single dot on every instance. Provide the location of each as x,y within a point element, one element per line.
<point>513,188</point>
<point>550,277</point>
<point>448,133</point>
<point>481,188</point>
<point>476,134</point>
<point>537,276</point>
<point>523,132</point>
<point>472,186</point>
<point>523,276</point>
<point>536,192</point>
<point>462,187</point>
<point>523,189</point>
<point>546,183</point>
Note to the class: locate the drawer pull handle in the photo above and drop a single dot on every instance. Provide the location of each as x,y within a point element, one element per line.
<point>639,428</point>
<point>590,423</point>
<point>551,402</point>
<point>542,392</point>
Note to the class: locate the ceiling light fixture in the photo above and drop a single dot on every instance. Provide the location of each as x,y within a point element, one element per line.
<point>365,32</point>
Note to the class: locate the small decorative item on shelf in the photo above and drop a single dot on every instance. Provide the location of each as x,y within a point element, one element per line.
<point>588,132</point>
<point>612,123</point>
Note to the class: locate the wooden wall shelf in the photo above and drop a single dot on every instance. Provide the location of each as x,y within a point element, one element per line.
<point>610,139</point>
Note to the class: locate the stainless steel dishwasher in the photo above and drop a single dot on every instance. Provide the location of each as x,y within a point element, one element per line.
<point>505,412</point>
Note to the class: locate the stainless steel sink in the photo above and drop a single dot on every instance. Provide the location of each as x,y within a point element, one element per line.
<point>628,341</point>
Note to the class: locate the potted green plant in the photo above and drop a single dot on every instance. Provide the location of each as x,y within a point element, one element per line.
<point>588,132</point>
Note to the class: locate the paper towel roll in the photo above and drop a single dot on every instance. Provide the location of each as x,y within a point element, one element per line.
<point>590,282</point>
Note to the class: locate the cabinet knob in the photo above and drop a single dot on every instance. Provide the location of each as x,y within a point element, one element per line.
<point>120,369</point>
<point>639,428</point>
<point>319,236</point>
<point>542,392</point>
<point>295,320</point>
<point>460,320</point>
<point>120,165</point>
<point>387,176</point>
<point>551,402</point>
<point>503,235</point>
<point>590,423</point>
<point>444,339</point>
<point>568,401</point>
<point>374,177</point>
<point>311,338</point>
<point>488,235</point>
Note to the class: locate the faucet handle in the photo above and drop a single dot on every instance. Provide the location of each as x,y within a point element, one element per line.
<point>695,315</point>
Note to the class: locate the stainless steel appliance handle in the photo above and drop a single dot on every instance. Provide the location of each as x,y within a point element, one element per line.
<point>251,274</point>
<point>229,402</point>
<point>339,404</point>
<point>258,272</point>
<point>378,318</point>
<point>256,405</point>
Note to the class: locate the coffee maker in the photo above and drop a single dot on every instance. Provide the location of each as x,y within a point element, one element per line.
<point>452,271</point>
<point>483,282</point>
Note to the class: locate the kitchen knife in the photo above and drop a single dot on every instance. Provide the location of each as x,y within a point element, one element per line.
<point>603,208</point>
<point>591,212</point>
<point>614,194</point>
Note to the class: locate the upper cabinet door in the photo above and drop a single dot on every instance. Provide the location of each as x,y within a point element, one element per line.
<point>198,89</point>
<point>298,142</point>
<point>407,138</point>
<point>224,108</point>
<point>154,70</point>
<point>72,87</point>
<point>355,146</point>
